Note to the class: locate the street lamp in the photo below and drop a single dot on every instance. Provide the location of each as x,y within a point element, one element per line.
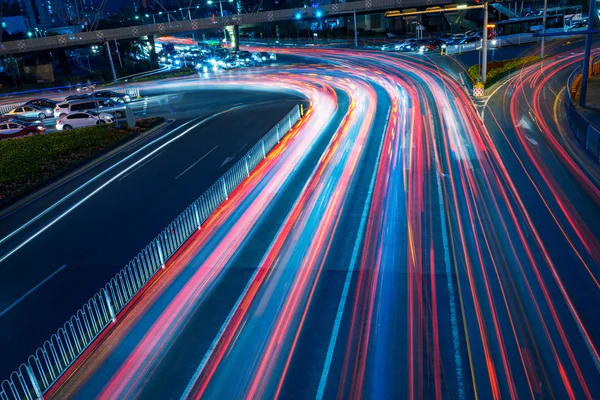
<point>210,2</point>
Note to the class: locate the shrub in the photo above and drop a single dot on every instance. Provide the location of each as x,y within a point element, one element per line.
<point>31,161</point>
<point>499,69</point>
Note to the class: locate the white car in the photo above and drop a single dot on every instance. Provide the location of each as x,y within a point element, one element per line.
<point>81,119</point>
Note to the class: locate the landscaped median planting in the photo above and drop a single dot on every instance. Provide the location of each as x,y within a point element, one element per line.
<point>500,69</point>
<point>30,162</point>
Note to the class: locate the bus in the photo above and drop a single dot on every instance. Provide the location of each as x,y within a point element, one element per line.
<point>557,18</point>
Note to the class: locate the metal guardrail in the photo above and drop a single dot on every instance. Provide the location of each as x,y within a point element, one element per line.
<point>132,92</point>
<point>461,48</point>
<point>83,38</point>
<point>41,370</point>
<point>586,133</point>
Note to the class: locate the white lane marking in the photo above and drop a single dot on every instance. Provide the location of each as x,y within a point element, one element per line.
<point>200,159</point>
<point>145,108</point>
<point>452,301</point>
<point>25,225</point>
<point>61,216</point>
<point>139,166</point>
<point>32,290</point>
<point>357,247</point>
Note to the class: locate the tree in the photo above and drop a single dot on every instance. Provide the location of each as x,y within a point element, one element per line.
<point>11,65</point>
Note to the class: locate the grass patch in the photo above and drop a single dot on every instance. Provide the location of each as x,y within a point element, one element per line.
<point>166,74</point>
<point>32,161</point>
<point>500,69</point>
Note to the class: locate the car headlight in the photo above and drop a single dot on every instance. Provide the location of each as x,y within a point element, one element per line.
<point>264,58</point>
<point>40,128</point>
<point>48,111</point>
<point>494,42</point>
<point>444,46</point>
<point>162,59</point>
<point>204,69</point>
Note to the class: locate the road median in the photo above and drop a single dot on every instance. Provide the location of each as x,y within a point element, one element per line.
<point>32,162</point>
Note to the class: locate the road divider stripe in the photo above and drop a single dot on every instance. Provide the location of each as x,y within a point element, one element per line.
<point>7,309</point>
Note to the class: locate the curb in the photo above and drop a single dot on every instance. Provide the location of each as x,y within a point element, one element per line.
<point>84,168</point>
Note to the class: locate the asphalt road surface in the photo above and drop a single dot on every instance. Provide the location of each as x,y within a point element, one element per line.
<point>394,245</point>
<point>59,249</point>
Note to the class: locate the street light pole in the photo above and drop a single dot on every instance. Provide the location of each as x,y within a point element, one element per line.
<point>112,65</point>
<point>543,44</point>
<point>222,15</point>
<point>355,30</point>
<point>485,43</point>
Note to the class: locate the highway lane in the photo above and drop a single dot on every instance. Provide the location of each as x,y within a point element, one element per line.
<point>528,124</point>
<point>81,251</point>
<point>411,263</point>
<point>310,208</point>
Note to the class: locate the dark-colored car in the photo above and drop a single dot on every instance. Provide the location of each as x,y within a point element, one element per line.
<point>110,94</point>
<point>80,96</point>
<point>41,103</point>
<point>13,129</point>
<point>470,40</point>
<point>245,58</point>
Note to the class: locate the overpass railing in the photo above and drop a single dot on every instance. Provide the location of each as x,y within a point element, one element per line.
<point>42,369</point>
<point>585,131</point>
<point>93,37</point>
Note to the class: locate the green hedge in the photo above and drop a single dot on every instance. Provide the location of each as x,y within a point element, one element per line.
<point>166,74</point>
<point>27,163</point>
<point>500,69</point>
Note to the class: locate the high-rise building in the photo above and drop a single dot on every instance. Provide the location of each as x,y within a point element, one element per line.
<point>44,14</point>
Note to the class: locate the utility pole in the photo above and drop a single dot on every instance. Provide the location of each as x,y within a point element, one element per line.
<point>355,30</point>
<point>544,28</point>
<point>585,70</point>
<point>112,65</point>
<point>485,43</point>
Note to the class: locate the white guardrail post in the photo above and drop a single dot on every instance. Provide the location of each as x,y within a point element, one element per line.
<point>58,353</point>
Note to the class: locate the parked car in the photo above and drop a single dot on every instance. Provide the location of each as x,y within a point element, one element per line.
<point>12,129</point>
<point>103,94</point>
<point>103,105</point>
<point>110,94</point>
<point>43,103</point>
<point>82,119</point>
<point>31,112</point>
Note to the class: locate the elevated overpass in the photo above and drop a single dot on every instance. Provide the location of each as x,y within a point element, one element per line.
<point>131,32</point>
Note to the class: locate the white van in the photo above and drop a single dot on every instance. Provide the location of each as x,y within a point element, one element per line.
<point>99,105</point>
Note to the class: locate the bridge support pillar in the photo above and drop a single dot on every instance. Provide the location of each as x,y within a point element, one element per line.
<point>234,36</point>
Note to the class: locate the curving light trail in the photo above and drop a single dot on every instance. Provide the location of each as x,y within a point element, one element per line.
<point>450,286</point>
